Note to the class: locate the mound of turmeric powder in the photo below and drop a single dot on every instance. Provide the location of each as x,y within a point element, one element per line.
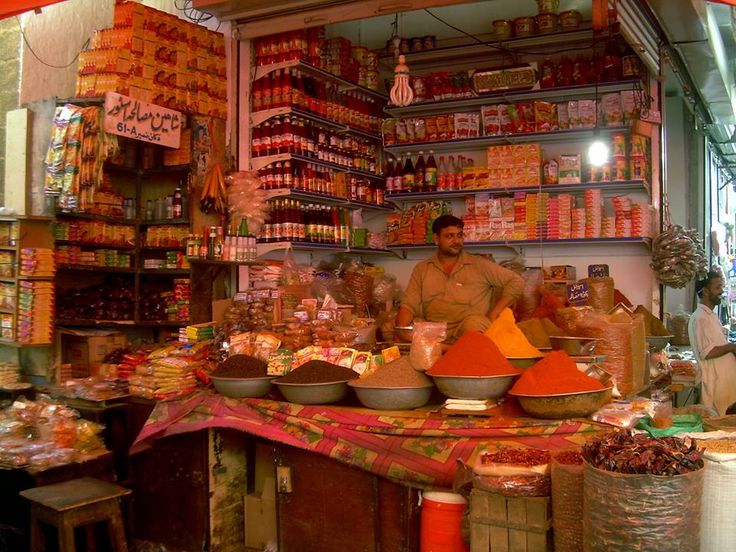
<point>509,338</point>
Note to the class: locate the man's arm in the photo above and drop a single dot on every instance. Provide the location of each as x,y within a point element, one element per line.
<point>403,318</point>
<point>511,284</point>
<point>720,350</point>
<point>411,303</point>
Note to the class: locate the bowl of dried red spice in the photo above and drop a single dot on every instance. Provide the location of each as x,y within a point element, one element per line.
<point>474,387</point>
<point>564,405</point>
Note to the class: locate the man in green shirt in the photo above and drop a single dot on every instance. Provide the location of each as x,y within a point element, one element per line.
<point>466,291</point>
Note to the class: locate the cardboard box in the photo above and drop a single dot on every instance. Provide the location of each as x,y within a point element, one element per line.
<point>86,350</point>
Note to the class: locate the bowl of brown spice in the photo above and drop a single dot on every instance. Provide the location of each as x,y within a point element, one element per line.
<point>316,382</point>
<point>242,376</point>
<point>394,386</point>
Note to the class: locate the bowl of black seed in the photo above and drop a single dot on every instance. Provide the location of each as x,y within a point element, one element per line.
<point>315,382</point>
<point>242,376</point>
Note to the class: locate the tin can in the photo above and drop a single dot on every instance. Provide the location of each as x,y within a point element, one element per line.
<point>547,6</point>
<point>429,42</point>
<point>570,20</point>
<point>416,44</point>
<point>606,172</point>
<point>638,168</point>
<point>630,66</point>
<point>621,169</point>
<point>546,22</point>
<point>404,47</point>
<point>502,29</point>
<point>524,26</point>
<point>639,145</point>
<point>419,86</point>
<point>619,145</point>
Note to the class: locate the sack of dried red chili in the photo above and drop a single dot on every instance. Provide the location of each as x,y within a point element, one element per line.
<point>567,500</point>
<point>513,472</point>
<point>646,493</point>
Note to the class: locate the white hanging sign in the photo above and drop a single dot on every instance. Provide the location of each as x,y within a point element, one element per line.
<point>141,120</point>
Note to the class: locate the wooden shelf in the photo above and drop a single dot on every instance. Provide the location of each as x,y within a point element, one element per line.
<point>95,268</point>
<point>96,245</point>
<point>8,248</point>
<point>165,271</point>
<point>86,322</point>
<point>94,216</point>
<point>18,345</point>
<point>165,323</point>
<point>5,310</point>
<point>614,186</point>
<point>8,279</point>
<point>162,248</point>
<point>162,222</point>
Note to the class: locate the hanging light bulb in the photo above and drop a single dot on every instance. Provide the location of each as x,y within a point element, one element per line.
<point>598,152</point>
<point>401,93</point>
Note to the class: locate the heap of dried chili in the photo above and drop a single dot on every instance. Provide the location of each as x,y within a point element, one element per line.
<point>555,374</point>
<point>569,457</point>
<point>517,456</point>
<point>474,354</point>
<point>622,452</point>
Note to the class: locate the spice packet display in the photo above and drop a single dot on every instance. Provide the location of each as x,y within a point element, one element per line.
<point>467,125</point>
<point>610,110</point>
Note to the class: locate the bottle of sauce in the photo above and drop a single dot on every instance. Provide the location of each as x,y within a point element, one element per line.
<point>407,175</point>
<point>177,203</point>
<point>430,174</point>
<point>419,173</point>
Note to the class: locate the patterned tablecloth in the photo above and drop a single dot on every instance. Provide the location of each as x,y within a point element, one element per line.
<point>419,447</point>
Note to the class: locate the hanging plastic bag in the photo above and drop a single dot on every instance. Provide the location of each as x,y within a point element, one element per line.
<point>678,327</point>
<point>426,344</point>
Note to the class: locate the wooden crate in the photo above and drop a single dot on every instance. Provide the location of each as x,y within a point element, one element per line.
<point>507,524</point>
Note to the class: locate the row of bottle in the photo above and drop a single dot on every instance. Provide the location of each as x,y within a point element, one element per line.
<point>239,245</point>
<point>292,220</point>
<point>405,175</point>
<point>291,88</point>
<point>170,207</point>
<point>314,178</point>
<point>293,135</point>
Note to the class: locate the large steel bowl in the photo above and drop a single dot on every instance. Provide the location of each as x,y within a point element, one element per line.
<point>242,387</point>
<point>567,405</point>
<point>392,398</point>
<point>313,393</point>
<point>474,387</point>
<point>574,346</point>
<point>657,342</point>
<point>524,362</point>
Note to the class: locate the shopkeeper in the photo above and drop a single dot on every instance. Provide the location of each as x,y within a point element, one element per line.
<point>466,291</point>
<point>714,353</point>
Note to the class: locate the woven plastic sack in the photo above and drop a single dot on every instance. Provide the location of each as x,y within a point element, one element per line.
<point>601,292</point>
<point>567,506</point>
<point>623,341</point>
<point>681,423</point>
<point>623,512</point>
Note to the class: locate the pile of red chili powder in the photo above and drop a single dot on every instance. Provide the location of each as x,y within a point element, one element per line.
<point>555,374</point>
<point>474,354</point>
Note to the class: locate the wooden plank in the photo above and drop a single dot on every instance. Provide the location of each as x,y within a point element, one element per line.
<point>480,537</point>
<point>499,539</point>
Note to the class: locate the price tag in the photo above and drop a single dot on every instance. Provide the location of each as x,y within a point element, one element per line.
<point>598,271</point>
<point>578,293</point>
<point>241,297</point>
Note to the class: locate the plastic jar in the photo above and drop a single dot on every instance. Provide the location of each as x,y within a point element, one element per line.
<point>502,29</point>
<point>524,26</point>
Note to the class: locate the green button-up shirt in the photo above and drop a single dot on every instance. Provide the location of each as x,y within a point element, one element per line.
<point>472,288</point>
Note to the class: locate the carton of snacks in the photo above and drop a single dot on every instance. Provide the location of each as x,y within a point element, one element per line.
<point>519,177</point>
<point>563,115</point>
<point>628,106</point>
<point>402,136</point>
<point>507,176</point>
<point>570,169</point>
<point>526,115</point>
<point>432,131</point>
<point>482,177</point>
<point>504,116</point>
<point>494,178</point>
<point>573,113</point>
<point>493,156</point>
<point>611,113</point>
<point>466,125</point>
<point>468,178</point>
<point>491,120</point>
<point>420,131</point>
<point>533,175</point>
<point>445,127</point>
<point>470,205</point>
<point>481,205</point>
<point>518,155</point>
<point>534,153</point>
<point>587,113</point>
<point>505,156</point>
<point>545,116</point>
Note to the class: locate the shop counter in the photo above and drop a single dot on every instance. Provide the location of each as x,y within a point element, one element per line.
<point>418,448</point>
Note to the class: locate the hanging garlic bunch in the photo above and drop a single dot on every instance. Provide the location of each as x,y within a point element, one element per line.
<point>401,93</point>
<point>245,199</point>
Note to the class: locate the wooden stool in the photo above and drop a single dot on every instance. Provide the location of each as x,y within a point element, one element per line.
<point>75,503</point>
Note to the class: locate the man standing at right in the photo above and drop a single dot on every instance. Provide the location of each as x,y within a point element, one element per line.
<point>715,355</point>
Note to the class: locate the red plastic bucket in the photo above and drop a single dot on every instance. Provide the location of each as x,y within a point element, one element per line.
<point>441,521</point>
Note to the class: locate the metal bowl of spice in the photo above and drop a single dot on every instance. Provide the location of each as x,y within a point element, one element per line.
<point>392,398</point>
<point>313,393</point>
<point>242,387</point>
<point>574,346</point>
<point>565,405</point>
<point>523,362</point>
<point>315,382</point>
<point>474,387</point>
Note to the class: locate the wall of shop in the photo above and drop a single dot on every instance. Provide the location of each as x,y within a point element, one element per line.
<point>9,73</point>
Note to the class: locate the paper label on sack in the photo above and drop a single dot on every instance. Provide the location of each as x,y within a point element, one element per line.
<point>578,293</point>
<point>598,271</point>
<point>143,121</point>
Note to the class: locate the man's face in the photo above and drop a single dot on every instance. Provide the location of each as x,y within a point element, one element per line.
<point>714,290</point>
<point>450,241</point>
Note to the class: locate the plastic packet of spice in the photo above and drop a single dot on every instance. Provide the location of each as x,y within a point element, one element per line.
<point>426,344</point>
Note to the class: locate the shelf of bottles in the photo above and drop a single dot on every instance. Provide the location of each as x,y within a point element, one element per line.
<point>455,191</point>
<point>480,142</point>
<point>475,102</point>
<point>638,241</point>
<point>306,222</point>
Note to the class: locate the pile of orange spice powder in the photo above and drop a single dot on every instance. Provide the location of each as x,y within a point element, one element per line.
<point>474,354</point>
<point>555,374</point>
